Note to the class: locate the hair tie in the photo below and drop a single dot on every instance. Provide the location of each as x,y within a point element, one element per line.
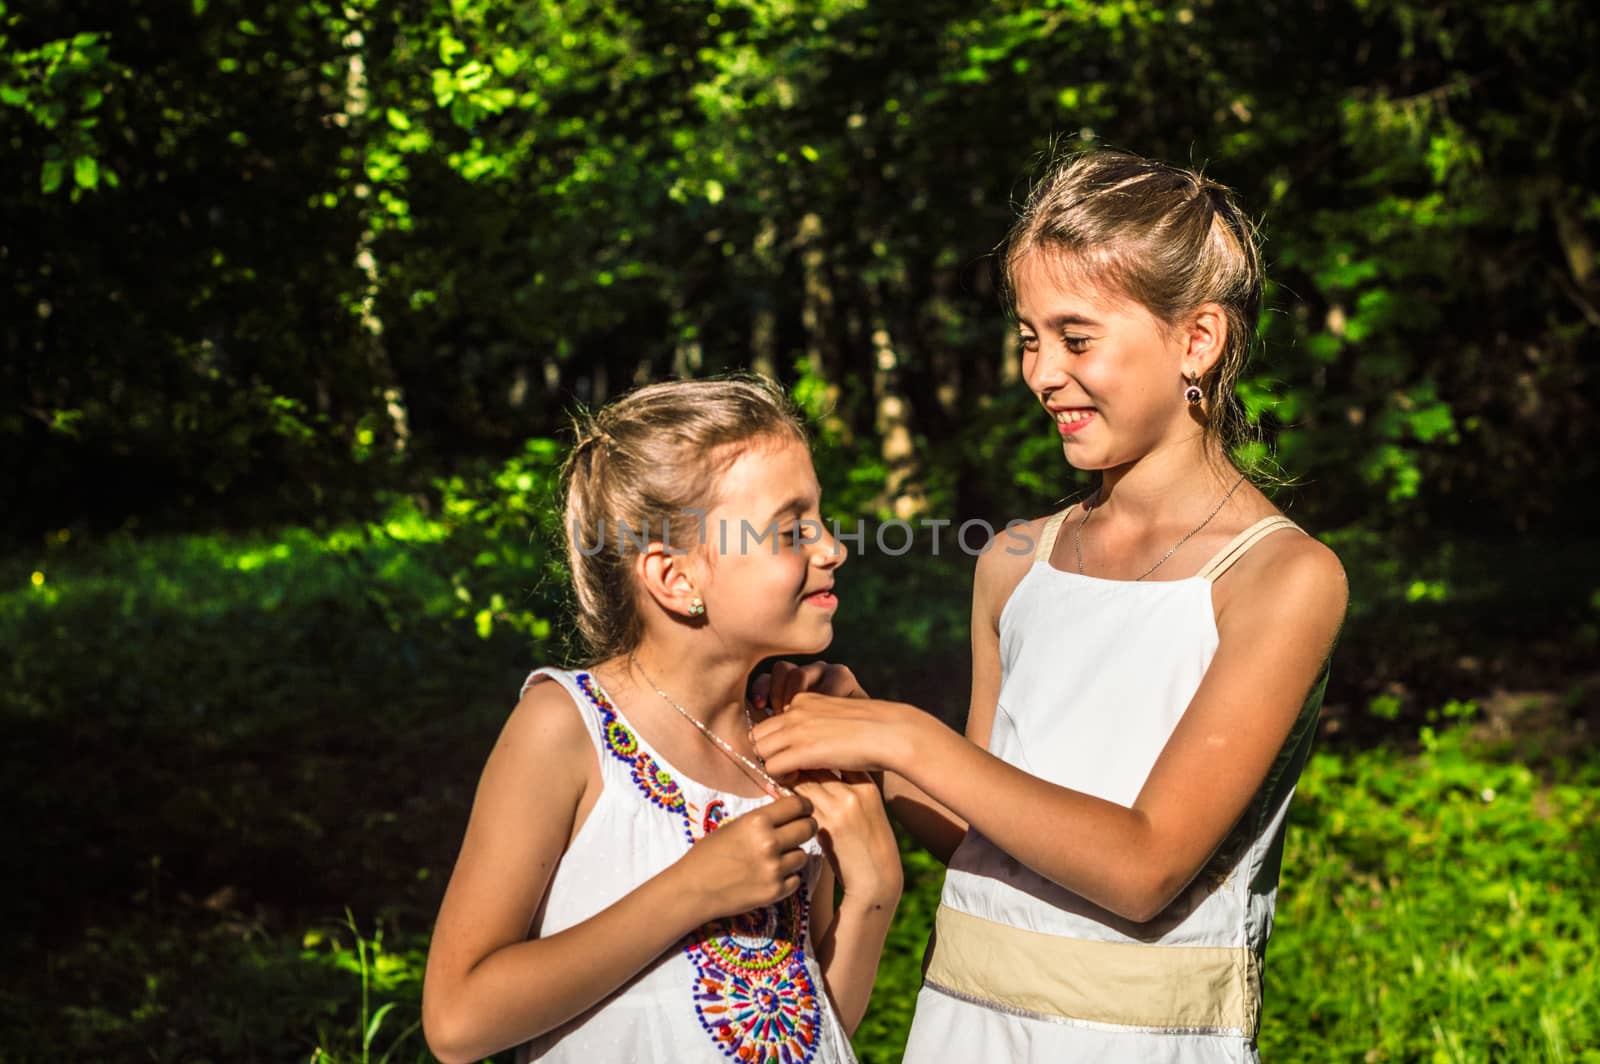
<point>592,438</point>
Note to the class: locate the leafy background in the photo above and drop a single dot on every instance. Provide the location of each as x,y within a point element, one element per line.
<point>298,296</point>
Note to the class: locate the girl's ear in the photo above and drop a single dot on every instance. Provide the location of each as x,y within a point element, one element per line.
<point>1207,334</point>
<point>667,576</point>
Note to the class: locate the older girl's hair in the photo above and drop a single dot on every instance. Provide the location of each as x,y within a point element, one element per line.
<point>645,468</point>
<point>1170,239</point>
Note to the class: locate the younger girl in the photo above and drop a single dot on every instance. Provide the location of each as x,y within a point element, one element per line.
<point>1145,679</point>
<point>628,890</point>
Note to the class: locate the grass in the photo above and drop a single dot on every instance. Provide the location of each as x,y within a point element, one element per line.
<point>238,767</point>
<point>1437,906</point>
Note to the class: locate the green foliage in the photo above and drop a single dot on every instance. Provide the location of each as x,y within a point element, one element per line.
<point>236,738</point>
<point>376,970</point>
<point>507,520</point>
<point>298,256</point>
<point>421,233</point>
<point>60,85</point>
<point>1436,906</point>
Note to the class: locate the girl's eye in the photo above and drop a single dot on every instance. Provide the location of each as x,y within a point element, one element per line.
<point>1029,342</point>
<point>1076,344</point>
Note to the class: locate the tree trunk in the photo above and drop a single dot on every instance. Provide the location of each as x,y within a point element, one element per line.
<point>816,315</point>
<point>764,317</point>
<point>903,494</point>
<point>366,260</point>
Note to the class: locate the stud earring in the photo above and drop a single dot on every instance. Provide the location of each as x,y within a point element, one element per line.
<point>697,607</point>
<point>1193,393</point>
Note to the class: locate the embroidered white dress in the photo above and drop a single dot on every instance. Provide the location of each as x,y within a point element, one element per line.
<point>747,988</point>
<point>1096,674</point>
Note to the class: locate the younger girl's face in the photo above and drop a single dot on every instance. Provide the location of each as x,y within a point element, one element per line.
<point>1105,369</point>
<point>768,585</point>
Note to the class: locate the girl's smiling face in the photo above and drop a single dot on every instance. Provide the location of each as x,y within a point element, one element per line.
<point>1109,373</point>
<point>768,576</point>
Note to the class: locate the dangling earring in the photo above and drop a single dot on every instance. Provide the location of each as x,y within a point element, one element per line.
<point>697,607</point>
<point>1193,393</point>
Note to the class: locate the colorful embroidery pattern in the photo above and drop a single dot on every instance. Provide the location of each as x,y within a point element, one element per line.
<point>656,783</point>
<point>752,990</point>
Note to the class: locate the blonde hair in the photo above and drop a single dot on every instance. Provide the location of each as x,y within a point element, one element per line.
<point>641,468</point>
<point>1167,238</point>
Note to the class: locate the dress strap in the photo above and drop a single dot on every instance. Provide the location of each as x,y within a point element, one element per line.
<point>1047,535</point>
<point>1223,560</point>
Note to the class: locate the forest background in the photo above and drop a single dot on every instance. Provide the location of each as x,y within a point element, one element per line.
<point>298,297</point>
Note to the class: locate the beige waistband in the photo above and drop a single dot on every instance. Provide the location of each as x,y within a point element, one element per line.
<point>1164,989</point>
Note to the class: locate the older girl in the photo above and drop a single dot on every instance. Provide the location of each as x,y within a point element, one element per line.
<point>1145,680</point>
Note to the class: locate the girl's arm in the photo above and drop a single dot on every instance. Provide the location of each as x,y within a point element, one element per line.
<point>862,853</point>
<point>933,824</point>
<point>488,986</point>
<point>1289,601</point>
<point>1001,567</point>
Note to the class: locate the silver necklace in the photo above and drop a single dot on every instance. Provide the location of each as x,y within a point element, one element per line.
<point>1088,512</point>
<point>716,740</point>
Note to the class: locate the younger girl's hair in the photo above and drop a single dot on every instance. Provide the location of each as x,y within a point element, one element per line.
<point>647,465</point>
<point>1167,238</point>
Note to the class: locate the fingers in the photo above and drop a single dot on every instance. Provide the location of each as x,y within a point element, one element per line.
<point>793,862</point>
<point>786,748</point>
<point>764,736</point>
<point>793,835</point>
<point>839,805</point>
<point>788,681</point>
<point>775,690</point>
<point>783,762</point>
<point>772,690</point>
<point>839,681</point>
<point>791,681</point>
<point>823,800</point>
<point>761,686</point>
<point>784,810</point>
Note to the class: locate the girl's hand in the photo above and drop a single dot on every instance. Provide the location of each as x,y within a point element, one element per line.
<point>822,731</point>
<point>752,860</point>
<point>855,836</point>
<point>773,690</point>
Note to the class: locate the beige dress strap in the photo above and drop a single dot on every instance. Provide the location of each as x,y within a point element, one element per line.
<point>1223,560</point>
<point>1047,535</point>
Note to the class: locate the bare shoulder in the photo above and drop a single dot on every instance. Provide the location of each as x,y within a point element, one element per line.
<point>1290,574</point>
<point>1003,563</point>
<point>545,732</point>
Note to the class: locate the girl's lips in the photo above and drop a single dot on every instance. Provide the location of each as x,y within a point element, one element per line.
<point>1078,424</point>
<point>824,599</point>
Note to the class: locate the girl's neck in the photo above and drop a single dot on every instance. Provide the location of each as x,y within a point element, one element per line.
<point>710,687</point>
<point>1166,480</point>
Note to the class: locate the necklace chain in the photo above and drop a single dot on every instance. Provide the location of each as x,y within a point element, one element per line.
<point>1088,512</point>
<point>716,740</point>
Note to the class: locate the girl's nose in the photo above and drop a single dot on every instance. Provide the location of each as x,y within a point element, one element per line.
<point>1045,370</point>
<point>830,553</point>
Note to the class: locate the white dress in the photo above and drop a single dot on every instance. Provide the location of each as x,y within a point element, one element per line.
<point>1095,675</point>
<point>746,988</point>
